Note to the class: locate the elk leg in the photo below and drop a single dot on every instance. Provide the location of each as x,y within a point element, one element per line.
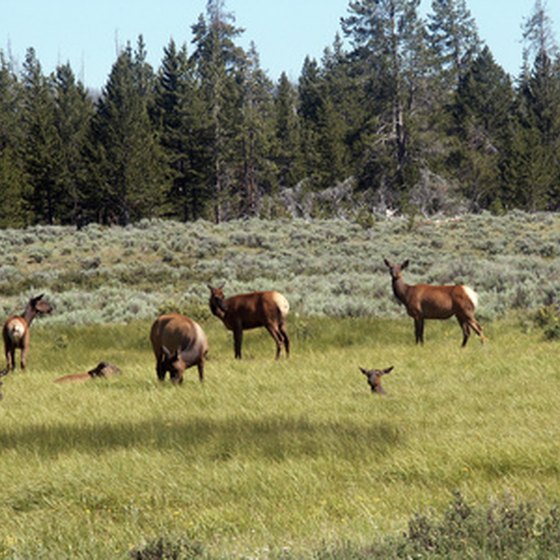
<point>419,330</point>
<point>23,358</point>
<point>285,338</point>
<point>464,323</point>
<point>200,367</point>
<point>277,339</point>
<point>475,326</point>
<point>160,369</point>
<point>237,340</point>
<point>10,361</point>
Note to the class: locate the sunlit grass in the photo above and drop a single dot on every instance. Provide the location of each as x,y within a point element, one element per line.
<point>269,455</point>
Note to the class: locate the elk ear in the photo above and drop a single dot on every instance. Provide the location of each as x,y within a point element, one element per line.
<point>404,264</point>
<point>209,287</point>
<point>388,370</point>
<point>387,263</point>
<point>364,371</point>
<point>38,298</point>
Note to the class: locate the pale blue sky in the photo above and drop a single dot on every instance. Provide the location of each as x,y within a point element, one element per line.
<point>87,33</point>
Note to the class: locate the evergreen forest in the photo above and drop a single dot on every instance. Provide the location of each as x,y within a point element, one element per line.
<point>403,113</point>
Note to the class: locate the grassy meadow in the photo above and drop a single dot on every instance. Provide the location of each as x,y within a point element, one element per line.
<point>268,459</point>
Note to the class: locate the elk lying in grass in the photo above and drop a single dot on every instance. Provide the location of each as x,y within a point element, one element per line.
<point>423,301</point>
<point>374,378</point>
<point>102,369</point>
<point>250,311</point>
<point>178,343</point>
<point>16,330</point>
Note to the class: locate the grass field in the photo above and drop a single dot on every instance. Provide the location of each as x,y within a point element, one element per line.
<point>270,458</point>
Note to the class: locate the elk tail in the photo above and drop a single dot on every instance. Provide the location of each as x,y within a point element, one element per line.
<point>282,304</point>
<point>472,295</point>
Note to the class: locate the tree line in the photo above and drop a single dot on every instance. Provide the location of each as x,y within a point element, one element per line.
<point>413,112</point>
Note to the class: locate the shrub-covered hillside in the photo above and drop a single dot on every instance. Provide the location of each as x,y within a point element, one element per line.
<point>332,267</point>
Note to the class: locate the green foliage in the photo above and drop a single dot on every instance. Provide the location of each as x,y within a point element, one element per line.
<point>548,319</point>
<point>324,267</point>
<point>507,529</point>
<point>169,549</point>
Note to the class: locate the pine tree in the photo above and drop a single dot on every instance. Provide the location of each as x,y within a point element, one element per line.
<point>482,113</point>
<point>335,116</point>
<point>388,41</point>
<point>41,142</point>
<point>12,177</point>
<point>217,62</point>
<point>126,166</point>
<point>454,40</point>
<point>256,132</point>
<point>309,110</point>
<point>184,130</point>
<point>73,111</point>
<point>288,153</point>
<point>538,135</point>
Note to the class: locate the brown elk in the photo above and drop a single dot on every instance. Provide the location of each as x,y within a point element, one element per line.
<point>16,330</point>
<point>102,369</point>
<point>250,311</point>
<point>423,301</point>
<point>178,343</point>
<point>374,378</point>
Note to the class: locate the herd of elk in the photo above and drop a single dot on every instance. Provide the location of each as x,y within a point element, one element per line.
<point>423,301</point>
<point>250,311</point>
<point>16,331</point>
<point>178,343</point>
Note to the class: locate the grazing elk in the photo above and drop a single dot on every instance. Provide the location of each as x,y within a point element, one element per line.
<point>16,330</point>
<point>423,301</point>
<point>178,343</point>
<point>102,369</point>
<point>374,378</point>
<point>250,311</point>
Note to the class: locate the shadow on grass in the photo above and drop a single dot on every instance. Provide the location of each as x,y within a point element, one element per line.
<point>274,438</point>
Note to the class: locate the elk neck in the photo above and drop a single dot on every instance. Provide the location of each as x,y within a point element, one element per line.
<point>218,308</point>
<point>29,314</point>
<point>400,289</point>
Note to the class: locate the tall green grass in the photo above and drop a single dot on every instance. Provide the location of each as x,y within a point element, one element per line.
<point>268,456</point>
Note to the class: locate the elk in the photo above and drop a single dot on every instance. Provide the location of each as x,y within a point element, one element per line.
<point>423,301</point>
<point>16,330</point>
<point>178,343</point>
<point>374,378</point>
<point>102,369</point>
<point>249,311</point>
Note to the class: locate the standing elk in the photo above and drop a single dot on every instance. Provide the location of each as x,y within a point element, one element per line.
<point>374,378</point>
<point>250,311</point>
<point>178,343</point>
<point>16,330</point>
<point>423,301</point>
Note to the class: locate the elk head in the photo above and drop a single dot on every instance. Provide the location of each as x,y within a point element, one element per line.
<point>174,363</point>
<point>217,300</point>
<point>40,306</point>
<point>395,270</point>
<point>374,378</point>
